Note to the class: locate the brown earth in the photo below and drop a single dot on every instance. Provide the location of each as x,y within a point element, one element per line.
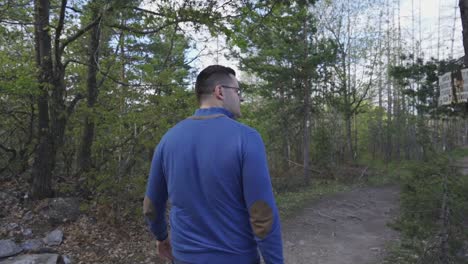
<point>345,228</point>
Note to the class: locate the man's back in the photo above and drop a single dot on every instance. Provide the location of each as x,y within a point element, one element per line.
<point>202,162</point>
<point>214,172</point>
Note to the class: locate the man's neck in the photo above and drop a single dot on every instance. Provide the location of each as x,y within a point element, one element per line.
<point>209,105</point>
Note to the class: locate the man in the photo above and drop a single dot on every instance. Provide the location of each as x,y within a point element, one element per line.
<point>214,171</point>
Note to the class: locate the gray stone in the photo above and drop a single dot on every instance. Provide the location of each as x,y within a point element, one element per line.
<point>289,244</point>
<point>66,260</point>
<point>8,248</point>
<point>11,226</point>
<point>32,245</point>
<point>7,198</point>
<point>60,210</point>
<point>54,238</point>
<point>33,259</point>
<point>28,216</point>
<point>27,232</point>
<point>463,252</point>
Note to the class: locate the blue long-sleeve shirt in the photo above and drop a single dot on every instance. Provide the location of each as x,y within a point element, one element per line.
<point>214,171</point>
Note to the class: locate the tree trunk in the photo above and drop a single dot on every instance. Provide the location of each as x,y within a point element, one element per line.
<point>349,136</point>
<point>306,133</point>
<point>463,4</point>
<point>44,159</point>
<point>380,139</point>
<point>347,111</point>
<point>285,131</point>
<point>465,133</point>
<point>84,160</point>
<point>53,112</point>
<point>388,144</point>
<point>356,147</point>
<point>307,108</point>
<point>397,121</point>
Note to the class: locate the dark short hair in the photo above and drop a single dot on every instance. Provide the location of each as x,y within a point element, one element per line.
<point>210,77</point>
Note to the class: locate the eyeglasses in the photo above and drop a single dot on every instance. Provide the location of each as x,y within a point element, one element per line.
<point>238,90</point>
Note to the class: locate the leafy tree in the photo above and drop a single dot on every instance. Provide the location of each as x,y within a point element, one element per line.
<point>287,70</point>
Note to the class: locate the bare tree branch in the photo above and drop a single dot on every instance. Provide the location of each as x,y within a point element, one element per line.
<point>145,11</point>
<point>16,23</point>
<point>101,82</point>
<point>366,90</point>
<point>79,33</point>
<point>148,31</point>
<point>74,9</point>
<point>58,31</point>
<point>71,106</point>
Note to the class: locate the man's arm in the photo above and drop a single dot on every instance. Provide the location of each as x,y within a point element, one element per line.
<point>154,204</point>
<point>258,196</point>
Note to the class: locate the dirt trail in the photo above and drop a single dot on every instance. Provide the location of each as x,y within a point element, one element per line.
<point>345,228</point>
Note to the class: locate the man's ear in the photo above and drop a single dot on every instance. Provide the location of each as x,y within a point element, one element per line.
<point>218,92</point>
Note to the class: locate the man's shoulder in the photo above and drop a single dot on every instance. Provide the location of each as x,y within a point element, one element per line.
<point>178,126</point>
<point>184,125</point>
<point>246,129</point>
<point>248,133</point>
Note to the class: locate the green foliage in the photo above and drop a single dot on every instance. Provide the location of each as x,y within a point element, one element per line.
<point>459,153</point>
<point>322,150</point>
<point>144,81</point>
<point>283,69</point>
<point>18,91</point>
<point>420,223</point>
<point>419,82</point>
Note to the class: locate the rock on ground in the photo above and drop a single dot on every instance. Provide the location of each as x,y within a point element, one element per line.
<point>9,248</point>
<point>34,259</point>
<point>54,238</point>
<point>32,244</point>
<point>60,210</point>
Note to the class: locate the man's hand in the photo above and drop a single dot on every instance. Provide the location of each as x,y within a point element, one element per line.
<point>165,249</point>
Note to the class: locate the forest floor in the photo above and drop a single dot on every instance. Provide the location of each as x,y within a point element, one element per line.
<point>348,227</point>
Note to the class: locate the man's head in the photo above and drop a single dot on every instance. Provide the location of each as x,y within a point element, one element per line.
<point>217,86</point>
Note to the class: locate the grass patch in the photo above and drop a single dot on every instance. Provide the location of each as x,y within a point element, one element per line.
<point>459,153</point>
<point>385,173</point>
<point>291,199</point>
<point>291,202</point>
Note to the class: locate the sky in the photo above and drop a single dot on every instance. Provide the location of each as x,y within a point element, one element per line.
<point>436,23</point>
<point>430,11</point>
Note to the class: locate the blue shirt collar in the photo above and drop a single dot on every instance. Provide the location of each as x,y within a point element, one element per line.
<point>213,111</point>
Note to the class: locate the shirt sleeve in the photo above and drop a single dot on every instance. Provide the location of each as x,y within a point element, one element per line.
<point>154,204</point>
<point>258,197</point>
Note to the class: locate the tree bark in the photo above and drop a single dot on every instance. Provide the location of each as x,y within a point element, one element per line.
<point>285,129</point>
<point>306,135</point>
<point>463,4</point>
<point>307,108</point>
<point>52,111</point>
<point>84,160</point>
<point>349,90</point>
<point>388,144</point>
<point>44,159</point>
<point>347,104</point>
